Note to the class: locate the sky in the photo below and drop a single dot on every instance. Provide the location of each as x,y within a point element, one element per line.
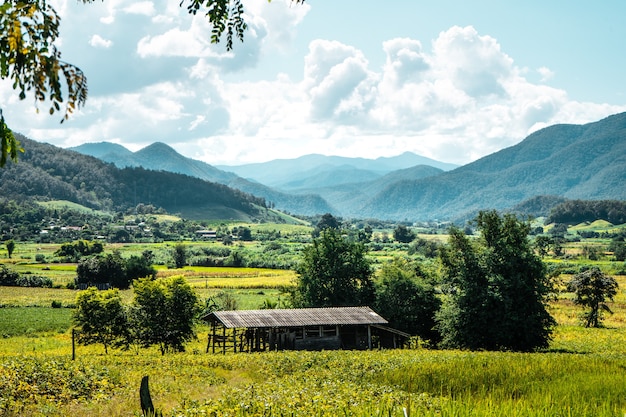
<point>450,80</point>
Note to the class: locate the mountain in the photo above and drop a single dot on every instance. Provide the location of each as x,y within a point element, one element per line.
<point>559,162</point>
<point>345,197</point>
<point>51,173</point>
<point>163,157</point>
<point>295,173</point>
<point>571,161</point>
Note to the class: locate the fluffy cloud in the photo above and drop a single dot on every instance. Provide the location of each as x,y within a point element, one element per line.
<point>99,42</point>
<point>155,76</point>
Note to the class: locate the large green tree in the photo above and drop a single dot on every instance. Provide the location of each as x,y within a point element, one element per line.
<point>163,313</point>
<point>101,318</point>
<point>333,272</point>
<point>497,288</point>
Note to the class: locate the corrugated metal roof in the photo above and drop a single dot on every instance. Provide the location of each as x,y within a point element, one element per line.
<point>297,317</point>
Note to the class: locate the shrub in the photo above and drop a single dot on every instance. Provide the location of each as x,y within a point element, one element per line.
<point>34,281</point>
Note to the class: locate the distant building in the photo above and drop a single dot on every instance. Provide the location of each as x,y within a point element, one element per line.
<point>206,234</point>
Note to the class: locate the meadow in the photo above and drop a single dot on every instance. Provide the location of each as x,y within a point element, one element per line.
<point>582,373</point>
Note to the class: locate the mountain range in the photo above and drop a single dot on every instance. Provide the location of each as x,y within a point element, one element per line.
<point>565,161</point>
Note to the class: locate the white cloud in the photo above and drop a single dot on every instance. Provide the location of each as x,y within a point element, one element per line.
<point>145,8</point>
<point>98,41</point>
<point>158,77</point>
<point>546,74</point>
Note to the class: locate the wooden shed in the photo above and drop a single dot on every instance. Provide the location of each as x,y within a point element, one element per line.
<point>300,329</point>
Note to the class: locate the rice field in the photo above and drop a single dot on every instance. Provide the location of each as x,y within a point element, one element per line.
<point>581,374</point>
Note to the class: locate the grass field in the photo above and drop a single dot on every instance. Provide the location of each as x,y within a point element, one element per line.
<point>580,374</point>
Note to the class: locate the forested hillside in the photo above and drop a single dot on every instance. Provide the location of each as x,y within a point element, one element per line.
<point>167,159</point>
<point>48,172</point>
<point>576,162</point>
<point>579,211</point>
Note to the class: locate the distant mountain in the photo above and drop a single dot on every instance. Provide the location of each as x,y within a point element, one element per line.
<point>49,172</point>
<point>299,172</point>
<point>571,161</point>
<point>159,156</point>
<point>346,197</point>
<point>558,162</point>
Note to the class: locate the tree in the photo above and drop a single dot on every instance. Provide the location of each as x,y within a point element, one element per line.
<point>497,288</point>
<point>333,272</point>
<point>101,318</point>
<point>591,289</point>
<point>140,266</point>
<point>403,234</point>
<point>327,221</point>
<point>407,300</point>
<point>180,255</point>
<point>163,313</point>
<point>29,56</point>
<point>10,245</point>
<point>110,268</point>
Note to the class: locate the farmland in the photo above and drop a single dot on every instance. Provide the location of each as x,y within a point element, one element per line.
<point>580,374</point>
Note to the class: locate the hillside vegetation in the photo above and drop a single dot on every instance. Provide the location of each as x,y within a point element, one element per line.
<point>50,173</point>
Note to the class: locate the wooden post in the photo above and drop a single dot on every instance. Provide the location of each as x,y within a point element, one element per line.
<point>73,344</point>
<point>224,340</point>
<point>369,337</point>
<point>145,400</point>
<point>214,325</point>
<point>235,340</point>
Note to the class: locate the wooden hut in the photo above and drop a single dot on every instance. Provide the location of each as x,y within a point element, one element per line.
<point>300,329</point>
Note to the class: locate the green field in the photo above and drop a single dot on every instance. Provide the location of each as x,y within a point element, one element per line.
<point>580,374</point>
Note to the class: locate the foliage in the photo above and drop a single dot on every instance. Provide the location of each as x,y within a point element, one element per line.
<point>179,253</point>
<point>9,146</point>
<point>425,247</point>
<point>101,318</point>
<point>75,250</point>
<point>497,289</point>
<point>327,221</point>
<point>592,288</point>
<point>54,380</point>
<point>407,300</point>
<point>109,268</point>
<point>333,272</point>
<point>403,234</point>
<point>140,266</point>
<point>163,313</point>
<point>29,57</point>
<point>579,211</point>
<point>10,245</point>
<point>8,277</point>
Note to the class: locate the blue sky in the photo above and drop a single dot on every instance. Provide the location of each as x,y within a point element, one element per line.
<point>451,80</point>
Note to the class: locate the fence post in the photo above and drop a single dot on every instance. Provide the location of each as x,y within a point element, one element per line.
<point>73,343</point>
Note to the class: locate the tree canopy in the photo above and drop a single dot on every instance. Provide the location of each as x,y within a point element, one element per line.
<point>407,300</point>
<point>497,288</point>
<point>333,272</point>
<point>592,288</point>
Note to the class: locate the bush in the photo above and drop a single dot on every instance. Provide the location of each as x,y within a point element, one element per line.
<point>34,281</point>
<point>8,277</point>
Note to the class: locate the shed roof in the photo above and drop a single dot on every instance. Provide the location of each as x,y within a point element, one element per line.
<point>296,317</point>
